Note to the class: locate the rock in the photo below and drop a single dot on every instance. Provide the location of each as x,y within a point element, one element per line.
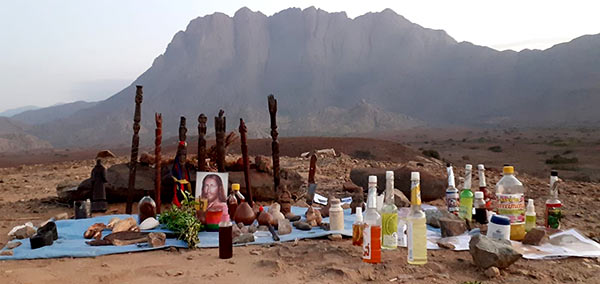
<point>351,187</point>
<point>174,273</point>
<point>452,227</point>
<point>535,237</point>
<point>236,231</point>
<point>325,226</point>
<point>263,228</point>
<point>445,244</point>
<point>275,212</point>
<point>325,153</point>
<point>432,186</point>
<point>256,252</point>
<point>335,237</point>
<point>284,227</point>
<point>146,159</point>
<point>488,252</point>
<point>262,184</point>
<point>13,245</point>
<point>301,203</point>
<point>400,199</point>
<point>292,217</point>
<point>67,191</point>
<point>263,164</point>
<point>149,224</point>
<point>252,229</point>
<point>8,252</point>
<point>313,216</point>
<point>358,200</point>
<point>61,216</point>
<point>301,225</point>
<point>125,225</point>
<point>104,154</point>
<point>22,231</point>
<point>244,238</point>
<point>433,216</point>
<point>157,239</point>
<point>492,272</point>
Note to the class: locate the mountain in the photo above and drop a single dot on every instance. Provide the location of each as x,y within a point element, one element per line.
<point>322,65</point>
<point>52,113</point>
<point>14,137</point>
<point>14,111</point>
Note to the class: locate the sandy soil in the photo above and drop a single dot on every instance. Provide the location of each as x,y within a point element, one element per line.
<point>28,193</point>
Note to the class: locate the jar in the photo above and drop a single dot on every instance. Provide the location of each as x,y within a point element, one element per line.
<point>336,215</point>
<point>146,208</point>
<point>499,227</point>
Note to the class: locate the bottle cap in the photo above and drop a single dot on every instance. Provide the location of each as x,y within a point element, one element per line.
<point>415,176</point>
<point>359,216</point>
<point>335,202</point>
<point>372,179</point>
<point>235,186</point>
<point>479,194</point>
<point>389,175</point>
<point>480,167</point>
<point>468,167</point>
<point>554,173</point>
<point>508,170</point>
<point>500,220</point>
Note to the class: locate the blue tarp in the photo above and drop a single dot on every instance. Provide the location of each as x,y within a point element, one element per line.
<point>71,243</point>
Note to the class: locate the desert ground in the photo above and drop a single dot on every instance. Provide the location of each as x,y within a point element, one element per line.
<point>28,185</point>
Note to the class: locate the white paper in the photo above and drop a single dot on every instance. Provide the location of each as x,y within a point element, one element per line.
<point>320,199</point>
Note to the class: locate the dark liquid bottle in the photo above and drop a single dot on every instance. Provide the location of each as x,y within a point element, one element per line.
<point>146,208</point>
<point>480,208</point>
<point>225,238</point>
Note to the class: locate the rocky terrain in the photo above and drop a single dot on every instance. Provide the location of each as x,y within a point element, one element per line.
<point>28,193</point>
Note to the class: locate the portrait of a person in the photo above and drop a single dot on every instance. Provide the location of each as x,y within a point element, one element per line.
<point>214,192</point>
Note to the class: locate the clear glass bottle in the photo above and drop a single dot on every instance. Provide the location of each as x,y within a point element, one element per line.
<point>480,208</point>
<point>452,197</point>
<point>530,217</point>
<point>357,228</point>
<point>389,215</point>
<point>466,196</point>
<point>372,230</point>
<point>511,202</point>
<point>487,195</point>
<point>553,204</point>
<point>417,228</point>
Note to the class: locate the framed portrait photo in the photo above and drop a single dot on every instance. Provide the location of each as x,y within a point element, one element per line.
<point>212,187</point>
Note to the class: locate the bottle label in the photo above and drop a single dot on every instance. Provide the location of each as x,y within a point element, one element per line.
<point>415,194</point>
<point>389,228</point>
<point>452,202</point>
<point>372,244</point>
<point>512,206</point>
<point>529,222</point>
<point>466,208</point>
<point>553,215</point>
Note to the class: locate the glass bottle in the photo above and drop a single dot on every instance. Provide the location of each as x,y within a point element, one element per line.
<point>480,208</point>
<point>234,198</point>
<point>530,217</point>
<point>372,230</point>
<point>146,208</point>
<point>417,228</point>
<point>389,215</point>
<point>357,228</point>
<point>452,197</point>
<point>466,196</point>
<point>553,204</point>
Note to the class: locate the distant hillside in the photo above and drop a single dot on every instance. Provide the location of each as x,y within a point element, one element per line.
<point>14,111</point>
<point>13,137</point>
<point>321,65</point>
<point>53,113</point>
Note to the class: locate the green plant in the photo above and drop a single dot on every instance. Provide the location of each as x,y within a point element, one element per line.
<point>182,220</point>
<point>558,159</point>
<point>495,149</point>
<point>431,153</point>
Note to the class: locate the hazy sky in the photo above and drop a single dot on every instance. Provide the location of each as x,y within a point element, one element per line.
<point>68,50</point>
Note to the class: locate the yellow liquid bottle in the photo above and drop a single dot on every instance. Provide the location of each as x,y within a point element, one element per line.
<point>417,228</point>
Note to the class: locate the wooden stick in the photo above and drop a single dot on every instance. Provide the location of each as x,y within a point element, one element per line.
<point>157,160</point>
<point>243,130</point>
<point>135,143</point>
<point>274,144</point>
<point>202,143</point>
<point>220,133</point>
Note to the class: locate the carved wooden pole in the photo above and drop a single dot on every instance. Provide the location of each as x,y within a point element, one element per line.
<point>243,130</point>
<point>157,160</point>
<point>135,143</point>
<point>202,143</point>
<point>220,133</point>
<point>275,143</point>
<point>182,146</point>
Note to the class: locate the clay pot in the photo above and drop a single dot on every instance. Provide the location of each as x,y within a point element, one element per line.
<point>265,218</point>
<point>244,214</point>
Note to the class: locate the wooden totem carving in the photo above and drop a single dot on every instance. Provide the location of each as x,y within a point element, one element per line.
<point>157,160</point>
<point>135,143</point>
<point>245,159</point>
<point>220,133</point>
<point>274,144</point>
<point>202,143</point>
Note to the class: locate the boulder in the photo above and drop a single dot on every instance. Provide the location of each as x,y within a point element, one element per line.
<point>262,183</point>
<point>400,199</point>
<point>452,227</point>
<point>535,237</point>
<point>105,154</point>
<point>244,238</point>
<point>432,186</point>
<point>433,216</point>
<point>284,227</point>
<point>488,252</point>
<point>263,164</point>
<point>351,187</point>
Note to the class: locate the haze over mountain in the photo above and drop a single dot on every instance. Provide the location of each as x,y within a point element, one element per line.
<point>326,69</point>
<point>15,111</point>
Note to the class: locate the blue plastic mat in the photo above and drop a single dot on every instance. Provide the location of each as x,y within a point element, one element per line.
<point>71,243</point>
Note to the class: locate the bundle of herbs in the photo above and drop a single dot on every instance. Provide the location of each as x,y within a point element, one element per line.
<point>182,220</point>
